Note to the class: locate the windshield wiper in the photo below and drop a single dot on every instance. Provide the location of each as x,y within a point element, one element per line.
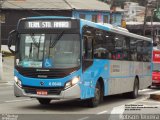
<point>53,43</point>
<point>34,41</point>
<point>37,44</point>
<point>30,51</point>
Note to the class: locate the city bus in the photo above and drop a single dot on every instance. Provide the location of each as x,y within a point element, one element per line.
<point>156,67</point>
<point>68,58</point>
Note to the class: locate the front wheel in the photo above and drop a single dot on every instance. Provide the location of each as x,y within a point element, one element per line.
<point>43,101</point>
<point>93,102</point>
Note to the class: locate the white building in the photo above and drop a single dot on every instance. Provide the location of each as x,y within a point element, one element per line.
<point>134,12</point>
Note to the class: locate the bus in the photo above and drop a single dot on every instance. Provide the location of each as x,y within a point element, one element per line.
<point>69,58</point>
<point>156,68</point>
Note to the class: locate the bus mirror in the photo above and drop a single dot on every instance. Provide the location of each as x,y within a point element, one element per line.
<point>12,39</point>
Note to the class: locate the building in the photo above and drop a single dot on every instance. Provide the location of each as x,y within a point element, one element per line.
<point>134,12</point>
<point>93,10</point>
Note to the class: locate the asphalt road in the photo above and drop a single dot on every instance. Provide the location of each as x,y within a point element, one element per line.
<point>112,104</point>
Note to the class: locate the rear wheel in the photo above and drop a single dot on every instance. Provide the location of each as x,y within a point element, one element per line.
<point>93,102</point>
<point>133,94</point>
<point>43,101</point>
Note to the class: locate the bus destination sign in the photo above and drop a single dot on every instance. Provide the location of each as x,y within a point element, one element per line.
<point>47,24</point>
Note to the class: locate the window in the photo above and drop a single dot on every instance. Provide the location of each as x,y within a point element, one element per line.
<point>119,39</point>
<point>82,16</point>
<point>100,45</point>
<point>88,42</point>
<point>105,19</point>
<point>139,50</point>
<point>94,18</point>
<point>115,18</point>
<point>133,49</point>
<point>2,18</point>
<point>146,51</point>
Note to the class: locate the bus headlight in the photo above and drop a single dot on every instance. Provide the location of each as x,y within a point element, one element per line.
<point>71,83</point>
<point>17,81</point>
<point>75,81</point>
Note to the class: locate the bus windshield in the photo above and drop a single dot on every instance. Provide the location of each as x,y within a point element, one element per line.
<point>49,50</point>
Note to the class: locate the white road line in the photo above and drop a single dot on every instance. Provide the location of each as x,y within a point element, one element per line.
<point>83,118</point>
<point>153,92</point>
<point>103,112</point>
<point>17,100</point>
<point>10,83</point>
<point>144,90</point>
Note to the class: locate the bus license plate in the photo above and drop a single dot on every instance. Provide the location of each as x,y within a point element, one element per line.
<point>42,92</point>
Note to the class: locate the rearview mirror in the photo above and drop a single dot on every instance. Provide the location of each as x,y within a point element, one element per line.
<point>12,40</point>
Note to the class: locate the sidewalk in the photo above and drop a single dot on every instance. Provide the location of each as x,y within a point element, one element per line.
<point>8,67</point>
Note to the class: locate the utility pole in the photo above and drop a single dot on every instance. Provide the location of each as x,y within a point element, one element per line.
<point>0,22</point>
<point>1,2</point>
<point>145,15</point>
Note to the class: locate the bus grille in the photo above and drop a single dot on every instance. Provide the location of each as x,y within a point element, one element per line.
<point>45,73</point>
<point>51,91</point>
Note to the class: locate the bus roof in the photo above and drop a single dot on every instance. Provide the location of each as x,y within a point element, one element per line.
<point>107,27</point>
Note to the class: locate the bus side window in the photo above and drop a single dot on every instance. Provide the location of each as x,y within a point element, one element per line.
<point>87,48</point>
<point>133,49</point>
<point>140,50</point>
<point>99,45</point>
<point>119,39</point>
<point>146,51</point>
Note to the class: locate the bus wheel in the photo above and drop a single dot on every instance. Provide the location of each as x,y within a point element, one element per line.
<point>93,102</point>
<point>134,93</point>
<point>44,101</point>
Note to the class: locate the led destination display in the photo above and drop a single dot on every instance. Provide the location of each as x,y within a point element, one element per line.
<point>47,24</point>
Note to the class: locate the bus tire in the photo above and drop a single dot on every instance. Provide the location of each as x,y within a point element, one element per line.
<point>44,101</point>
<point>134,93</point>
<point>95,101</point>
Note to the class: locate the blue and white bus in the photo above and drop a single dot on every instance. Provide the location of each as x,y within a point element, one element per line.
<point>67,58</point>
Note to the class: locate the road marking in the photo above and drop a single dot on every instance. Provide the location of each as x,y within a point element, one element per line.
<point>10,83</point>
<point>153,92</point>
<point>103,112</point>
<point>144,90</point>
<point>17,100</point>
<point>83,118</point>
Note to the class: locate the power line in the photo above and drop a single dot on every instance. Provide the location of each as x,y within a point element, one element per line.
<point>68,4</point>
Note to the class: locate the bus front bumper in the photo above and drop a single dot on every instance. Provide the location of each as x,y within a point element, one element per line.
<point>70,93</point>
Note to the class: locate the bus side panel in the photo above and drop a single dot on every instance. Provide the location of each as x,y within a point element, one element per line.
<point>99,68</point>
<point>123,73</point>
<point>121,77</point>
<point>147,75</point>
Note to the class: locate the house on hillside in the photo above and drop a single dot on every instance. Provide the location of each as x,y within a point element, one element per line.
<point>93,10</point>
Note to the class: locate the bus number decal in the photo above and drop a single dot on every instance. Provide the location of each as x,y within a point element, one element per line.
<point>55,84</point>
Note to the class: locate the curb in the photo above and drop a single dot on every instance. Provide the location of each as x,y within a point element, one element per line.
<point>6,54</point>
<point>155,96</point>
